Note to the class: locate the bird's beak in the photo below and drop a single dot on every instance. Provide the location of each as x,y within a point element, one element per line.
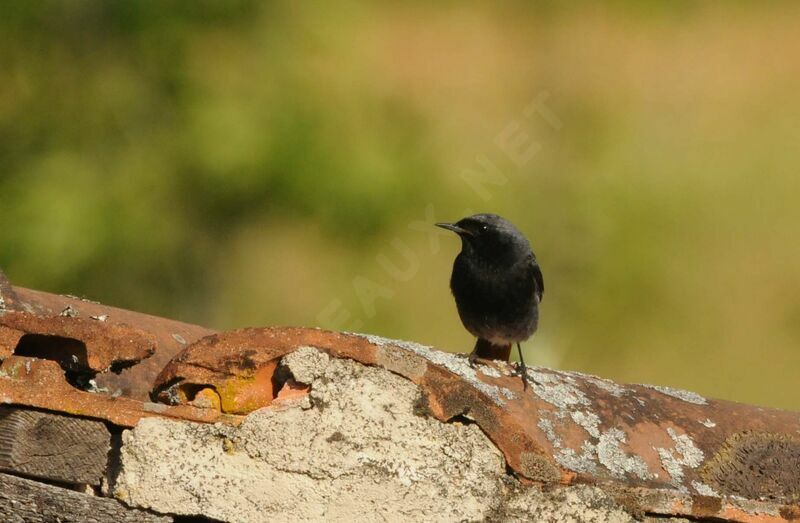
<point>455,228</point>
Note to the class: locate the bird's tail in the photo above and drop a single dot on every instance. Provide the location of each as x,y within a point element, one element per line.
<point>486,350</point>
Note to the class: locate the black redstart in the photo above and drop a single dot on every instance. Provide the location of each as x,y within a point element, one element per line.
<point>496,282</point>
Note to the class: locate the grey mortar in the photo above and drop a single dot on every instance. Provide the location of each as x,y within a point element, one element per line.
<point>362,451</point>
<point>579,504</point>
<point>359,454</point>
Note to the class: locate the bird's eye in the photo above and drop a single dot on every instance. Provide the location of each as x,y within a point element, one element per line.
<point>484,228</point>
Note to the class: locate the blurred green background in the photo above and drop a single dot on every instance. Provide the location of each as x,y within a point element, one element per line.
<point>247,163</point>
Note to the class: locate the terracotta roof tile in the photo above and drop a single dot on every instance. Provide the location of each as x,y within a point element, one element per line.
<point>672,452</point>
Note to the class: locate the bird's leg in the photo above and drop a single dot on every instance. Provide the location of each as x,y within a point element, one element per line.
<point>522,368</point>
<point>473,356</point>
<point>478,352</point>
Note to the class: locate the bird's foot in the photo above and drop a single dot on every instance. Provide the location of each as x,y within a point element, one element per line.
<point>522,372</point>
<point>472,358</point>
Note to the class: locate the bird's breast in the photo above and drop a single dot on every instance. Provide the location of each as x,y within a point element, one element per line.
<point>492,291</point>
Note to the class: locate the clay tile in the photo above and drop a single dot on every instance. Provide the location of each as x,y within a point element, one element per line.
<point>665,451</point>
<point>658,450</point>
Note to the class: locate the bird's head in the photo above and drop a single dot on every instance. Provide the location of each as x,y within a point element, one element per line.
<point>490,236</point>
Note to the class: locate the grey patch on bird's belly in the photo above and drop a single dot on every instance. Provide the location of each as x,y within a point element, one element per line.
<point>458,365</point>
<point>497,340</point>
<point>499,332</point>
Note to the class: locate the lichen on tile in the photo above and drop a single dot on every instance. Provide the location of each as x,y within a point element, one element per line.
<point>454,363</point>
<point>685,454</point>
<point>685,395</point>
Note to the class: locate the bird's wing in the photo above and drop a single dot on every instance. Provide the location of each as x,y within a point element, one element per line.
<point>537,276</point>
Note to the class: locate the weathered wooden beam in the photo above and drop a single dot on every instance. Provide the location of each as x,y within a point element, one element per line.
<point>28,501</point>
<point>59,448</point>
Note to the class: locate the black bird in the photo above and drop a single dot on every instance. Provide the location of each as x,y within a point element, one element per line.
<point>496,282</point>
